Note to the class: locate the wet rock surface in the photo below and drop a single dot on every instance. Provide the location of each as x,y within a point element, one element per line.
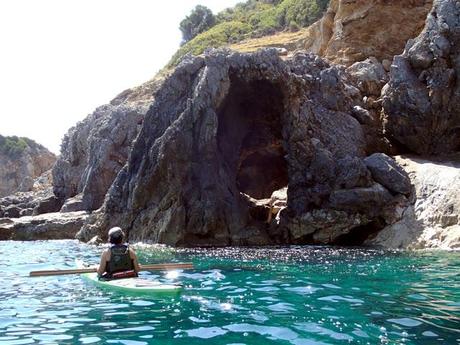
<point>228,128</point>
<point>422,99</point>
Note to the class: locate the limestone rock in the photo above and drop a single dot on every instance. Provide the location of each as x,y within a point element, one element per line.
<point>19,168</point>
<point>93,152</point>
<point>433,221</point>
<point>230,127</point>
<point>43,227</point>
<point>351,31</point>
<point>26,202</point>
<point>422,99</point>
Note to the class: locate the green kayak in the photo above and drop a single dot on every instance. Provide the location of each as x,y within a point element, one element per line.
<point>131,285</point>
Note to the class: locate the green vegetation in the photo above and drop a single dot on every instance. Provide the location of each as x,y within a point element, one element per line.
<point>200,20</point>
<point>217,36</point>
<point>14,146</point>
<point>253,18</point>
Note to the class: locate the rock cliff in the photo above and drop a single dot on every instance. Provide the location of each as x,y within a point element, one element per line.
<point>229,128</point>
<point>422,99</point>
<point>95,149</point>
<point>21,162</point>
<point>353,30</point>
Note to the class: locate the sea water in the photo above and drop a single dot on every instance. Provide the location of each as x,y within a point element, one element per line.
<point>287,295</point>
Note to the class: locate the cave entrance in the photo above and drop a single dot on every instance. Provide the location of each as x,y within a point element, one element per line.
<point>250,136</point>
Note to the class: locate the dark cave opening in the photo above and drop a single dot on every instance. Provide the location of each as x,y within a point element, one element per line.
<point>358,235</point>
<point>250,136</point>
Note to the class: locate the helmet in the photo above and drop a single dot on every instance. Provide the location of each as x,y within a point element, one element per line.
<point>116,235</point>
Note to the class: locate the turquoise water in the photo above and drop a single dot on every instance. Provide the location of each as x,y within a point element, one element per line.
<point>294,295</point>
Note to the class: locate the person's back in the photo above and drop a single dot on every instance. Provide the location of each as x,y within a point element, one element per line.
<point>118,261</point>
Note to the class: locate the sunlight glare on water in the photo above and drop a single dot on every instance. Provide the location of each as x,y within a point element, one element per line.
<point>287,295</point>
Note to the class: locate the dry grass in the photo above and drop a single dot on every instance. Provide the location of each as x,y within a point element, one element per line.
<point>289,40</point>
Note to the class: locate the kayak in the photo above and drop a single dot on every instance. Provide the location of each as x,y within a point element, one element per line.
<point>133,285</point>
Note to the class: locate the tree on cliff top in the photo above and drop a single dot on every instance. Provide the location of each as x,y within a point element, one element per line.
<point>200,19</point>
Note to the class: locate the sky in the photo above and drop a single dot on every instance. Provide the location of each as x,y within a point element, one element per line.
<point>60,59</point>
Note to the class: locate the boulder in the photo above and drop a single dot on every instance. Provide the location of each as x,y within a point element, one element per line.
<point>26,212</point>
<point>363,116</point>
<point>372,199</point>
<point>422,99</point>
<point>12,211</point>
<point>73,204</point>
<point>369,76</point>
<point>48,205</point>
<point>389,173</point>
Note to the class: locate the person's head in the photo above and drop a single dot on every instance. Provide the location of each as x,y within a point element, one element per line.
<point>116,235</point>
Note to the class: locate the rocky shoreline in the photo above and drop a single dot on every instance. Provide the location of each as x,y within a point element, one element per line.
<point>198,155</point>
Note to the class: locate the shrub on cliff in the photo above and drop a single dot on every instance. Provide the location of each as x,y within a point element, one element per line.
<point>217,36</point>
<point>253,18</point>
<point>200,20</point>
<point>13,146</point>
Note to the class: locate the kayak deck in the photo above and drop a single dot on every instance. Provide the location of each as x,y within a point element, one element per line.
<point>131,285</point>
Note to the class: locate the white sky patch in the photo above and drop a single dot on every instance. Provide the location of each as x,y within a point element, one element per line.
<point>60,59</point>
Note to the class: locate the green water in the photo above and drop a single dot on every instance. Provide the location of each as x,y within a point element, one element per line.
<point>294,295</point>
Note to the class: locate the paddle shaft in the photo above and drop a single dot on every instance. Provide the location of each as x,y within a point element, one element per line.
<point>153,267</point>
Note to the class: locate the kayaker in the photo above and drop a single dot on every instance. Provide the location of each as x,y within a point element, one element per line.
<point>118,261</point>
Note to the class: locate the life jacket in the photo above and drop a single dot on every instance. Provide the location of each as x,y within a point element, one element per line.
<point>120,261</point>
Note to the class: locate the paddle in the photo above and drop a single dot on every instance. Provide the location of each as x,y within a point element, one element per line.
<point>153,267</point>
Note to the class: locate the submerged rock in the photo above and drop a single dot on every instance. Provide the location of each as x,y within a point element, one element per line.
<point>422,99</point>
<point>229,128</point>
